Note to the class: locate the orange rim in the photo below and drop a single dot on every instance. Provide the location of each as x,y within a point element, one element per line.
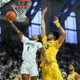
<point>22,6</point>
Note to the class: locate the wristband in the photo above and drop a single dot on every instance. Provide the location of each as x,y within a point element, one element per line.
<point>58,24</point>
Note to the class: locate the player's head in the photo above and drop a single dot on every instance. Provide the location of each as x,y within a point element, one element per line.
<point>35,38</point>
<point>64,75</point>
<point>71,67</point>
<point>54,35</point>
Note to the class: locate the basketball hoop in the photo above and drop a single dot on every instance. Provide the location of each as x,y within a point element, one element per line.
<point>21,7</point>
<point>1,4</point>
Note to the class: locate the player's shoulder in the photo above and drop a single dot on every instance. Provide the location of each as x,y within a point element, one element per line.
<point>38,43</point>
<point>76,73</point>
<point>44,38</point>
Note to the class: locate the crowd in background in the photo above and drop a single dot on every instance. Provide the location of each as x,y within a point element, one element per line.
<point>11,53</point>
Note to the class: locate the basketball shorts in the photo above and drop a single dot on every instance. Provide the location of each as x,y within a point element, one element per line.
<point>51,72</point>
<point>29,68</point>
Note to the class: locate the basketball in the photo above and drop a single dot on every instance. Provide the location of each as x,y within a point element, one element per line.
<point>11,15</point>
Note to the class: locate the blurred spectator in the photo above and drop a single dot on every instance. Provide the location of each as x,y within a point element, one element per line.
<point>64,75</point>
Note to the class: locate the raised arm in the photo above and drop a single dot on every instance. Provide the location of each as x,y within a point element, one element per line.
<point>20,34</point>
<point>43,31</point>
<point>63,34</point>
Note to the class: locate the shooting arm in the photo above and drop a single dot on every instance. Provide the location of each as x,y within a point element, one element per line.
<point>20,34</point>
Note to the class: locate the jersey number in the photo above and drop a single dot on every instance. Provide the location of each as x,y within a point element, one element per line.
<point>47,46</point>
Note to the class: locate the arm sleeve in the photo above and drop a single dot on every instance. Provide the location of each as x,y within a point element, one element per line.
<point>40,45</point>
<point>57,44</point>
<point>24,39</point>
<point>44,40</point>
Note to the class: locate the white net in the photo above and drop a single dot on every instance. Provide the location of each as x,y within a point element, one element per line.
<point>3,2</point>
<point>21,11</point>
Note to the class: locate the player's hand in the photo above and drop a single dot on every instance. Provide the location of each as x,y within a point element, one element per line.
<point>44,11</point>
<point>56,20</point>
<point>47,62</point>
<point>10,21</point>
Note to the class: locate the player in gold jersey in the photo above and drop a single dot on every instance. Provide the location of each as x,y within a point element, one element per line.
<point>51,44</point>
<point>73,75</point>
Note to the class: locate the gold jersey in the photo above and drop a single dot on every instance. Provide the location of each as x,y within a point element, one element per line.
<point>72,76</point>
<point>51,49</point>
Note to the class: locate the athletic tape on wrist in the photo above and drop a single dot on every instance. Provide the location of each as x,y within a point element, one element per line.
<point>58,24</point>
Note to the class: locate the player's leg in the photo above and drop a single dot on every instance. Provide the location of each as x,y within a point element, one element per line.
<point>24,71</point>
<point>33,71</point>
<point>56,72</point>
<point>51,72</point>
<point>25,76</point>
<point>46,73</point>
<point>34,78</point>
<point>47,77</point>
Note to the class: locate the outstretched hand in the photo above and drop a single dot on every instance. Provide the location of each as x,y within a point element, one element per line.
<point>47,62</point>
<point>44,11</point>
<point>56,20</point>
<point>10,21</point>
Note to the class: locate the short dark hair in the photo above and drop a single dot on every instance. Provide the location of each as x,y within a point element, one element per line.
<point>72,64</point>
<point>56,33</point>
